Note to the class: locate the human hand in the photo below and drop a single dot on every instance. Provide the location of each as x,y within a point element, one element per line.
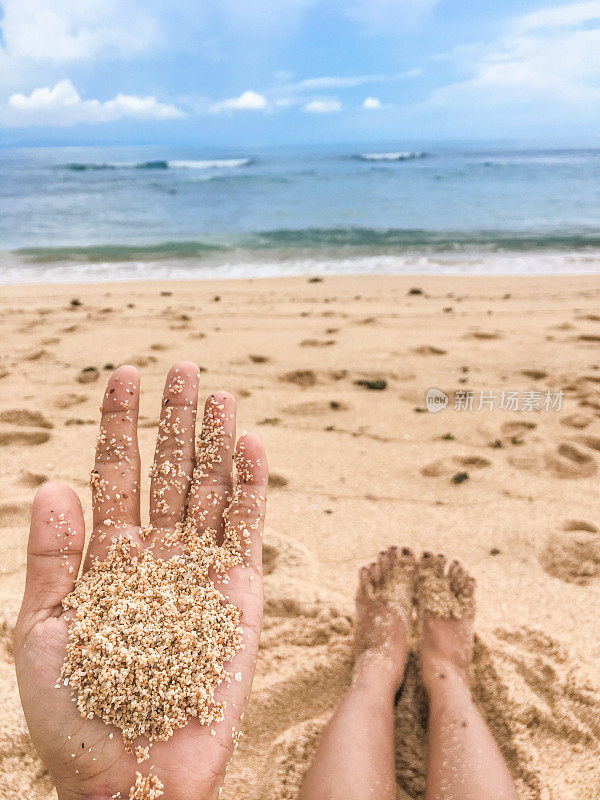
<point>86,757</point>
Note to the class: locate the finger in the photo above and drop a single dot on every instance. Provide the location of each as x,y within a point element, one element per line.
<point>243,584</point>
<point>56,541</point>
<point>175,447</point>
<point>211,487</point>
<point>116,474</point>
<point>245,515</point>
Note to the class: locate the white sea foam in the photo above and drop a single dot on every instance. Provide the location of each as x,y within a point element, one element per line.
<point>397,156</point>
<point>217,163</point>
<point>14,270</point>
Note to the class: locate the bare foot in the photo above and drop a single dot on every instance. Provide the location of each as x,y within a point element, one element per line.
<point>446,608</point>
<point>384,604</point>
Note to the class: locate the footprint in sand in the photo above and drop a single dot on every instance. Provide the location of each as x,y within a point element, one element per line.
<point>277,481</point>
<point>444,467</point>
<point>23,438</point>
<point>88,375</point>
<point>569,461</point>
<point>35,355</point>
<point>142,361</point>
<point>578,420</point>
<point>31,480</point>
<point>148,423</point>
<point>593,442</point>
<point>429,350</point>
<point>374,384</point>
<point>317,342</point>
<point>573,555</point>
<point>579,525</point>
<point>14,519</point>
<point>484,335</point>
<point>585,389</point>
<point>25,418</point>
<point>269,558</point>
<point>534,374</point>
<point>68,400</point>
<point>316,408</point>
<point>11,515</point>
<point>514,431</point>
<point>566,461</point>
<point>591,378</point>
<point>592,338</point>
<point>301,377</point>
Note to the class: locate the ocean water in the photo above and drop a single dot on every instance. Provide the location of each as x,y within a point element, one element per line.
<point>142,212</point>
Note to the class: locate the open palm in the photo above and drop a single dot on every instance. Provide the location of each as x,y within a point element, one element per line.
<point>86,757</point>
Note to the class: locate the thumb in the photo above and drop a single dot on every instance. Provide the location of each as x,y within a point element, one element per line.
<point>56,540</point>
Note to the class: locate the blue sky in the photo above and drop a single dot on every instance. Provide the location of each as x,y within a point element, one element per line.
<point>287,71</point>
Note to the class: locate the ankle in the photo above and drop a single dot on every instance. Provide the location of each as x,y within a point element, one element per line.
<point>374,670</point>
<point>441,678</point>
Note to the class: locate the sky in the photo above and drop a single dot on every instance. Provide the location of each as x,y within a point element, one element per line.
<point>277,72</point>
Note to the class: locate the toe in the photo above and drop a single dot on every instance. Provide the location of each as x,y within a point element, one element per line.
<point>405,566</point>
<point>427,560</point>
<point>384,560</point>
<point>375,573</point>
<point>439,566</point>
<point>454,574</point>
<point>387,561</point>
<point>406,556</point>
<point>461,583</point>
<point>363,578</point>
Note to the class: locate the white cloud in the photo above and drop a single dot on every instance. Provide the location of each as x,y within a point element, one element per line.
<point>69,30</point>
<point>38,36</point>
<point>386,16</point>
<point>247,101</point>
<point>412,73</point>
<point>63,105</point>
<point>323,106</point>
<point>335,82</point>
<point>550,55</point>
<point>559,16</point>
<point>371,103</point>
<point>345,81</point>
<point>301,93</point>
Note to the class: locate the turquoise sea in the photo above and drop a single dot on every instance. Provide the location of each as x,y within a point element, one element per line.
<point>142,212</point>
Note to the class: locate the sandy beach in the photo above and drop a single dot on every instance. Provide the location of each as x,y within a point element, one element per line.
<point>333,374</point>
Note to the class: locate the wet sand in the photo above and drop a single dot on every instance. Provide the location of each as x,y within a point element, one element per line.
<point>333,375</point>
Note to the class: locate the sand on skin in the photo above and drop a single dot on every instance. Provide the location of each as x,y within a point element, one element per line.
<point>355,469</point>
